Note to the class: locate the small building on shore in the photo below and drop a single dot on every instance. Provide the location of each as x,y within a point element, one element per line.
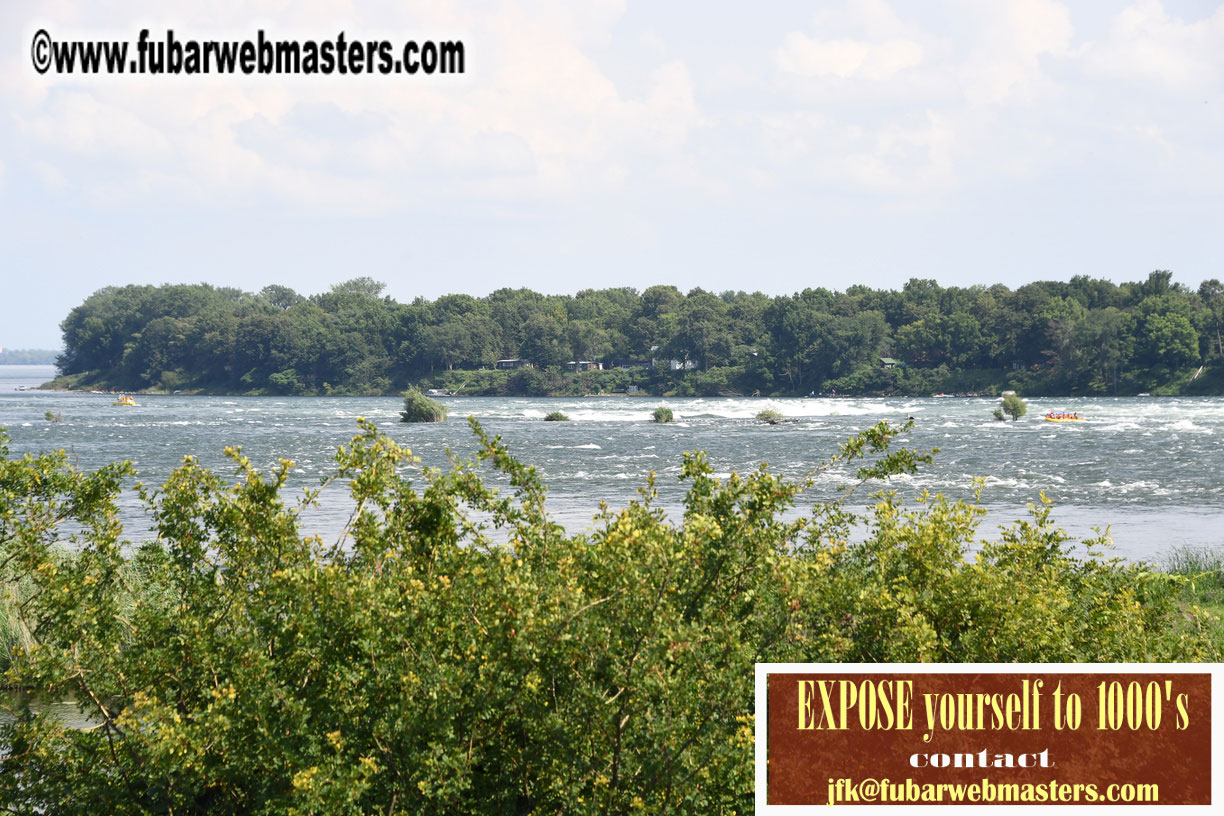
<point>583,365</point>
<point>512,363</point>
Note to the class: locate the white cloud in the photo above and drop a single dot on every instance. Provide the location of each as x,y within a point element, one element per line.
<point>873,19</point>
<point>908,109</point>
<point>845,59</point>
<point>670,111</point>
<point>1014,36</point>
<point>653,42</point>
<point>984,53</point>
<point>536,115</point>
<point>877,50</point>
<point>569,103</point>
<point>909,156</point>
<point>51,176</point>
<point>78,122</point>
<point>1146,43</point>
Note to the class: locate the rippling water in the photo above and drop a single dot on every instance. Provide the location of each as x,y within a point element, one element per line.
<point>1150,467</point>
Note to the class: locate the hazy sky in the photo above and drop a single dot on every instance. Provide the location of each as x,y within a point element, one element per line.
<point>768,146</point>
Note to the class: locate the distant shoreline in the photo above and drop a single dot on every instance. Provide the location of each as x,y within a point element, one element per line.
<point>28,357</point>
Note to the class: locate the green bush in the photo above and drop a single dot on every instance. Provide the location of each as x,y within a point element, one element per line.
<point>1014,407</point>
<point>769,416</point>
<point>556,416</point>
<point>663,414</point>
<point>255,669</point>
<point>420,408</point>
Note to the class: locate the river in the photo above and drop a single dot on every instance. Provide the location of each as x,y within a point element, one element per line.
<point>1150,467</point>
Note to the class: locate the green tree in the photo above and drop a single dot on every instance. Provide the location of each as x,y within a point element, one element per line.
<point>281,297</point>
<point>1062,316</point>
<point>1106,342</point>
<point>588,341</point>
<point>1014,407</point>
<point>364,286</point>
<point>1169,339</point>
<point>701,330</point>
<point>1212,294</point>
<point>545,343</point>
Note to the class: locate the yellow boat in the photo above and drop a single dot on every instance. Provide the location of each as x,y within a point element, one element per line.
<point>125,400</point>
<point>1049,418</point>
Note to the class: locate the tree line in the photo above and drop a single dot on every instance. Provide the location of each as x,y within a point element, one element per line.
<point>1086,335</point>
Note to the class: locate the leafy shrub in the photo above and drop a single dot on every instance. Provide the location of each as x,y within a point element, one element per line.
<point>769,416</point>
<point>663,414</point>
<point>254,669</point>
<point>1014,407</point>
<point>420,408</point>
<point>556,416</point>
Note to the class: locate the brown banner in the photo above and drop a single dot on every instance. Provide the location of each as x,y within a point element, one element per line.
<point>995,738</point>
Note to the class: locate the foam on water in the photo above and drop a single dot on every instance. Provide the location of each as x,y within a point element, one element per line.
<point>1188,425</point>
<point>1120,426</point>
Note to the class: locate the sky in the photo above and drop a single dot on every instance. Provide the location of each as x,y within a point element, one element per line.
<point>751,146</point>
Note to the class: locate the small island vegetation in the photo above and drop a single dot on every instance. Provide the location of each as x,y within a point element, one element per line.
<point>1012,406</point>
<point>420,408</point>
<point>663,414</point>
<point>769,416</point>
<point>555,416</point>
<point>1086,336</point>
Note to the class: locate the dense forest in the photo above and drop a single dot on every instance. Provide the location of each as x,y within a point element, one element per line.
<point>1085,336</point>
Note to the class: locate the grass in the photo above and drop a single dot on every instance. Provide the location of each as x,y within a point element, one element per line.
<point>556,416</point>
<point>662,414</point>
<point>769,416</point>
<point>137,571</point>
<point>1204,567</point>
<point>1203,571</point>
<point>13,632</point>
